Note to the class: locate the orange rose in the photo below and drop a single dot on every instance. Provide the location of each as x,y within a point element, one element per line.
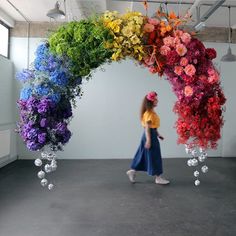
<point>188,91</point>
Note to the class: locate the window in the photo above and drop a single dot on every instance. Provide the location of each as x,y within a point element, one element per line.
<point>4,39</point>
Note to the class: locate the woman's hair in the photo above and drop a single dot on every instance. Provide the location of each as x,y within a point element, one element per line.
<point>147,105</point>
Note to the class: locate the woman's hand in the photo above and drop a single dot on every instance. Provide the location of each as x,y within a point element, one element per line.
<point>148,135</point>
<point>147,144</point>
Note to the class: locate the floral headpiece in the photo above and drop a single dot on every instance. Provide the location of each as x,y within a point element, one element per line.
<point>151,96</point>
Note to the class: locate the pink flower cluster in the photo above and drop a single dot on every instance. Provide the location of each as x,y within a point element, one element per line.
<point>195,81</point>
<point>153,60</point>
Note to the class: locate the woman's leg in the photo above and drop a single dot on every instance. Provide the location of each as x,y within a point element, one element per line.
<point>131,174</point>
<point>161,180</point>
<point>138,162</point>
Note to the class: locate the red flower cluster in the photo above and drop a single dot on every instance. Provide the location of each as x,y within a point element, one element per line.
<point>195,81</point>
<point>200,97</point>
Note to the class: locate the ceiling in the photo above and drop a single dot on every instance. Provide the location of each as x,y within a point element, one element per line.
<point>35,10</point>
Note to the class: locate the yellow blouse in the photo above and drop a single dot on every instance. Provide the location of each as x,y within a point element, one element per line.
<point>151,116</point>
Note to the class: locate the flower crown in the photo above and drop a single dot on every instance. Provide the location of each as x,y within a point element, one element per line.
<point>151,96</point>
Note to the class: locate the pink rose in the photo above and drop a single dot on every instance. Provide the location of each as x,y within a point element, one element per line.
<point>177,41</point>
<point>202,77</point>
<point>211,71</point>
<point>186,38</point>
<point>188,91</point>
<point>214,77</point>
<point>164,50</point>
<point>153,21</point>
<point>178,70</point>
<point>197,53</point>
<point>149,61</point>
<point>181,49</point>
<point>169,41</point>
<point>178,33</point>
<point>183,61</point>
<point>190,70</point>
<point>152,69</point>
<point>148,27</point>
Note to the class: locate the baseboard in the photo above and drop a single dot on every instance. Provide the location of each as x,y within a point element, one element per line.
<point>6,160</point>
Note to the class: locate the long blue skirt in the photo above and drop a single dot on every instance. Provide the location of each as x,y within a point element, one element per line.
<point>148,160</point>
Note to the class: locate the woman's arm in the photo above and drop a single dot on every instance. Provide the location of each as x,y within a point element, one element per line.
<point>148,135</point>
<point>160,136</point>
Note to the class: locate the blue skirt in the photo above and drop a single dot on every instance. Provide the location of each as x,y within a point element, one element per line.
<point>148,160</point>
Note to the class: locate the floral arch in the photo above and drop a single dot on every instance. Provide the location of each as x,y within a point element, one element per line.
<point>71,53</point>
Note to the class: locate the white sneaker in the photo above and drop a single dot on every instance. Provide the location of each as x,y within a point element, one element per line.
<point>131,175</point>
<point>160,180</point>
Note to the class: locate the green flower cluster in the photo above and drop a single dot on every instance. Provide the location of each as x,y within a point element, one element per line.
<point>84,43</point>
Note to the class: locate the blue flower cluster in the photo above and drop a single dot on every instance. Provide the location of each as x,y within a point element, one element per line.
<point>45,107</point>
<point>26,93</point>
<point>55,67</point>
<point>59,78</point>
<point>25,75</point>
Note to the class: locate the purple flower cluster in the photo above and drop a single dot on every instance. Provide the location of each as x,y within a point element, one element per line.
<point>61,132</point>
<point>43,122</point>
<point>45,107</point>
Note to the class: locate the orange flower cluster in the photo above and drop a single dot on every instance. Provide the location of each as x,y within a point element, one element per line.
<point>171,22</point>
<point>155,30</point>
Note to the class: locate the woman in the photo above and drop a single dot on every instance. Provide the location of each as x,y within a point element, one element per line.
<point>148,156</point>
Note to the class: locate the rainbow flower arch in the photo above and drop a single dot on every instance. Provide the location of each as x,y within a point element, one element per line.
<point>70,55</point>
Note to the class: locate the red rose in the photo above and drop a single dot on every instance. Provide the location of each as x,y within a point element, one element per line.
<point>211,53</point>
<point>152,35</point>
<point>172,57</point>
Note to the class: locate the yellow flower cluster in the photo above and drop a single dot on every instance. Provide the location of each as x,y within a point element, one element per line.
<point>127,32</point>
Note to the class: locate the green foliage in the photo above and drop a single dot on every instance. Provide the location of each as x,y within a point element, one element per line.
<point>84,43</point>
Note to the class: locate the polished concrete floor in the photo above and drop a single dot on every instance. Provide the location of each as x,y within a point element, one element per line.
<point>94,198</point>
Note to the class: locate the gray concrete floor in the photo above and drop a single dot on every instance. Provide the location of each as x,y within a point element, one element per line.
<point>94,198</point>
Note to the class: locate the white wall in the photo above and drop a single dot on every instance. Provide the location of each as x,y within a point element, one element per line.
<point>106,121</point>
<point>7,113</point>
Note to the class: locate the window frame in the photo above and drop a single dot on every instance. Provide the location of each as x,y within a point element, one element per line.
<point>8,45</point>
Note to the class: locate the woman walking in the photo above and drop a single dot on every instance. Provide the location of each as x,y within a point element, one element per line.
<point>148,156</point>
